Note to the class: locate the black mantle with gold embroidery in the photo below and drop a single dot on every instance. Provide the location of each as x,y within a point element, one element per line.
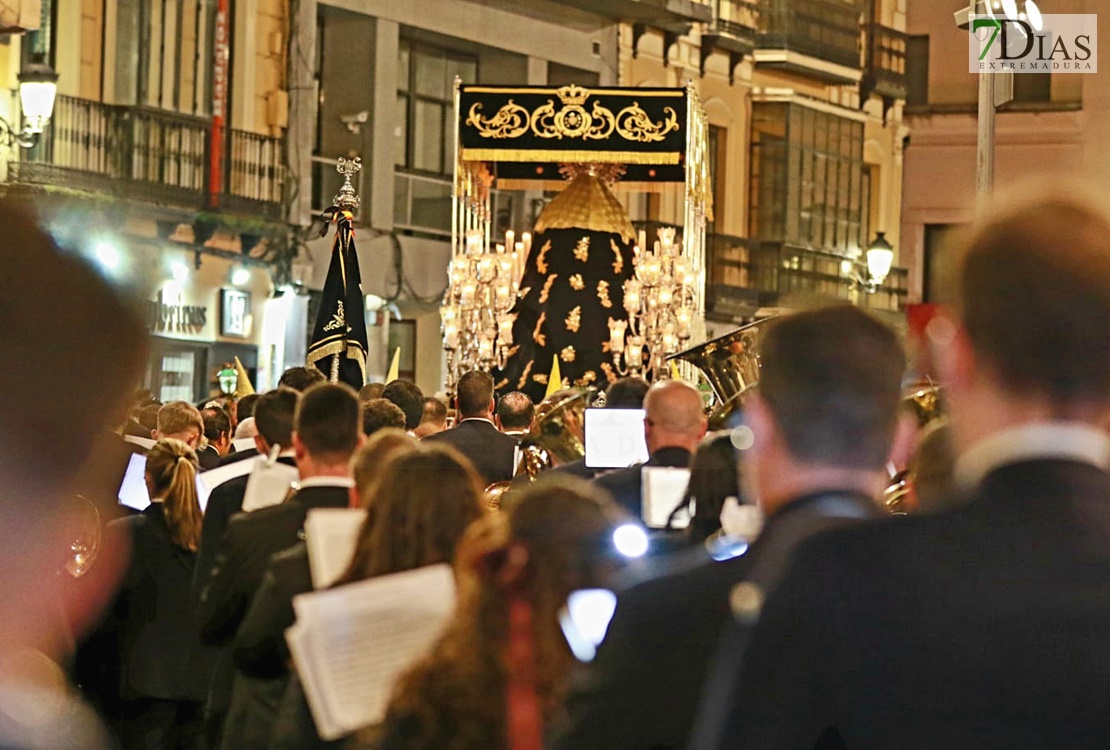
<point>339,343</point>
<point>545,125</point>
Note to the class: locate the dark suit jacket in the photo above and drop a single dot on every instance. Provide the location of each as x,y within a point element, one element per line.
<point>626,485</point>
<point>159,653</point>
<point>490,450</point>
<point>231,458</point>
<point>642,690</point>
<point>244,553</point>
<point>208,458</point>
<point>225,501</point>
<point>260,649</point>
<point>986,627</point>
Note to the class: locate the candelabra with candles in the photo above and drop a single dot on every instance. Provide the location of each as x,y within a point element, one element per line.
<point>476,310</point>
<point>661,302</point>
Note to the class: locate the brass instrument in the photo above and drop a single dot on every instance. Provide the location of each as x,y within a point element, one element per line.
<point>924,400</point>
<point>84,532</point>
<point>730,364</point>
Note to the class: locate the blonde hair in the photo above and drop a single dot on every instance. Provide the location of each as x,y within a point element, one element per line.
<point>176,417</point>
<point>370,460</point>
<point>171,473</point>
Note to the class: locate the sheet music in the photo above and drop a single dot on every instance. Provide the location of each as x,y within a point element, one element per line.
<point>144,443</point>
<point>133,490</point>
<point>331,535</point>
<point>243,444</point>
<point>351,643</point>
<point>269,483</point>
<point>213,478</point>
<point>663,488</point>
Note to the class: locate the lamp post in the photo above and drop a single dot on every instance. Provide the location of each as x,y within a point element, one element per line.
<point>880,258</point>
<point>38,87</point>
<point>995,89</point>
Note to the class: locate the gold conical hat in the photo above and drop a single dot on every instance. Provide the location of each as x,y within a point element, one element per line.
<point>586,203</point>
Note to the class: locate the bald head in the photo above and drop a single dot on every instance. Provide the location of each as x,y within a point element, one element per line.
<point>674,416</point>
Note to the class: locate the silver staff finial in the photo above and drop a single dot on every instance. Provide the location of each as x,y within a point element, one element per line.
<point>347,199</point>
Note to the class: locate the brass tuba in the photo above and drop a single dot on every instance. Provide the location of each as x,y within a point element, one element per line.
<point>730,364</point>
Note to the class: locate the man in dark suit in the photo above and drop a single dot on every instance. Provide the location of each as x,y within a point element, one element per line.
<point>674,423</point>
<point>217,433</point>
<point>475,436</point>
<point>327,429</point>
<point>987,626</point>
<point>642,691</point>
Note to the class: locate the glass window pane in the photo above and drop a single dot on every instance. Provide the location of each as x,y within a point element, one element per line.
<point>400,132</point>
<point>431,73</point>
<point>464,68</point>
<point>403,66</point>
<point>427,137</point>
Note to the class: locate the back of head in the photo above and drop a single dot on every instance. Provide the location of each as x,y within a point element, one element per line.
<point>832,381</point>
<point>674,413</point>
<point>148,417</point>
<point>301,378</point>
<point>328,422</point>
<point>1033,292</point>
<point>435,412</point>
<point>370,391</point>
<point>179,419</point>
<point>379,414</point>
<point>515,411</point>
<point>273,415</point>
<point>422,503</point>
<point>475,393</point>
<point>171,473</point>
<point>217,423</point>
<point>626,393</point>
<point>244,407</point>
<point>714,476</point>
<point>246,428</point>
<point>408,398</point>
<point>371,458</point>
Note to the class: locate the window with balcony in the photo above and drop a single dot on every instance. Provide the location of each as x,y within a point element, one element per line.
<point>425,105</point>
<point>164,54</point>
<point>824,29</point>
<point>809,185</point>
<point>917,70</point>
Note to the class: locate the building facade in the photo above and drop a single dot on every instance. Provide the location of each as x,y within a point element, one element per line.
<point>164,163</point>
<point>804,98</point>
<point>1055,127</point>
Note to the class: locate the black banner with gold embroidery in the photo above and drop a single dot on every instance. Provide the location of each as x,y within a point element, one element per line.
<point>339,342</point>
<point>572,124</point>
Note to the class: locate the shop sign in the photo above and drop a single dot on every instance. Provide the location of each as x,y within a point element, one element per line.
<point>170,318</point>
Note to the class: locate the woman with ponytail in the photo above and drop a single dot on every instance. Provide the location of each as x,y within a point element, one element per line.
<point>164,671</point>
<point>496,677</point>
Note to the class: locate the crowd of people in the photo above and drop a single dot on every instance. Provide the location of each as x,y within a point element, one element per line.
<point>977,615</point>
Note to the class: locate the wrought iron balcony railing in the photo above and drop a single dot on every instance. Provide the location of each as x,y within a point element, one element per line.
<point>828,30</point>
<point>747,274</point>
<point>885,66</point>
<point>153,155</point>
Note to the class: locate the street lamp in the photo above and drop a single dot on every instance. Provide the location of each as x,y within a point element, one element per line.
<point>38,86</point>
<point>880,258</point>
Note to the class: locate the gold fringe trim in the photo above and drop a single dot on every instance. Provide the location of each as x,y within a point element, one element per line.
<point>618,187</point>
<point>553,156</point>
<point>630,92</point>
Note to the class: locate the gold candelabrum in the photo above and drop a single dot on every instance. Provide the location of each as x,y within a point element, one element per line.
<point>661,302</point>
<point>483,287</point>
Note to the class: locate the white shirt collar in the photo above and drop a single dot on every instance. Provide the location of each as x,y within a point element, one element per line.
<point>326,482</point>
<point>1070,441</point>
<point>476,419</point>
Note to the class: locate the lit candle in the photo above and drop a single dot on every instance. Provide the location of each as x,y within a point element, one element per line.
<point>526,240</point>
<point>505,330</point>
<point>466,296</point>
<point>486,269</point>
<point>474,243</point>
<point>641,240</point>
<point>634,354</point>
<point>683,317</point>
<point>485,347</point>
<point>632,296</point>
<point>450,336</point>
<point>503,296</point>
<point>510,239</point>
<point>616,335</point>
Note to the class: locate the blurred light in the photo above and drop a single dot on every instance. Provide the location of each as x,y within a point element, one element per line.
<point>631,540</point>
<point>742,438</point>
<point>586,619</point>
<point>241,276</point>
<point>1036,20</point>
<point>107,256</point>
<point>180,271</point>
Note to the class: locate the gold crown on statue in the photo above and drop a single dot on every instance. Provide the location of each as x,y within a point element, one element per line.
<point>573,95</point>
